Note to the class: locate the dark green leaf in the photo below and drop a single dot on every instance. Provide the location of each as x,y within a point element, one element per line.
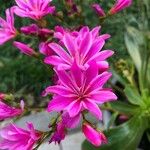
<point>124,108</point>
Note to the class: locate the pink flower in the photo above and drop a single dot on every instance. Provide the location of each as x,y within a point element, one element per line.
<point>34,9</point>
<point>24,48</point>
<point>7,111</point>
<point>15,138</point>
<point>7,29</point>
<point>93,136</point>
<point>98,10</point>
<point>120,5</point>
<point>83,47</point>
<point>80,90</point>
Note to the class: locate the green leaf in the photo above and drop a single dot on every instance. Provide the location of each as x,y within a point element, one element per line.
<point>124,108</point>
<point>124,137</point>
<point>112,120</point>
<point>133,40</point>
<point>119,77</point>
<point>148,135</point>
<point>133,95</point>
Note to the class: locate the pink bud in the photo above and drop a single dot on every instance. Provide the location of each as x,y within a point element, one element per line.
<point>120,5</point>
<point>31,29</point>
<point>98,10</point>
<point>59,134</point>
<point>93,136</point>
<point>2,96</point>
<point>24,48</point>
<point>22,105</point>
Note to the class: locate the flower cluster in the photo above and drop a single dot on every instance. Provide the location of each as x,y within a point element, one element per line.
<point>80,66</point>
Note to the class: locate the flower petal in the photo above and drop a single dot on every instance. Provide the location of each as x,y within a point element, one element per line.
<point>58,104</point>
<point>74,108</point>
<point>93,108</point>
<point>103,96</point>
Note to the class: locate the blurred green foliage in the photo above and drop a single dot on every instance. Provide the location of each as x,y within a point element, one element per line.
<point>18,71</point>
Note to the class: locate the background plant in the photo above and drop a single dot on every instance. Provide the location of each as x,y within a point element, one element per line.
<point>132,75</point>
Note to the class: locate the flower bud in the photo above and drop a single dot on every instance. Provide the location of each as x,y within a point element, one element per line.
<point>97,8</point>
<point>120,5</point>
<point>93,136</point>
<point>25,48</point>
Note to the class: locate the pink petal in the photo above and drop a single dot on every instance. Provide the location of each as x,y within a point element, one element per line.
<point>69,44</point>
<point>91,134</point>
<point>60,90</point>
<point>93,108</point>
<point>91,72</point>
<point>95,31</point>
<point>65,79</point>
<point>58,104</point>
<point>103,96</point>
<point>53,60</point>
<point>86,44</point>
<point>61,52</point>
<point>99,81</point>
<point>102,55</point>
<point>95,48</point>
<point>103,66</point>
<point>76,73</point>
<point>74,108</point>
<point>71,122</point>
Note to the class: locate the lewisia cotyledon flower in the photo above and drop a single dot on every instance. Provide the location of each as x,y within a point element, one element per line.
<point>7,29</point>
<point>83,47</point>
<point>16,138</point>
<point>34,9</point>
<point>93,136</point>
<point>7,111</point>
<point>80,90</point>
<point>120,5</point>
